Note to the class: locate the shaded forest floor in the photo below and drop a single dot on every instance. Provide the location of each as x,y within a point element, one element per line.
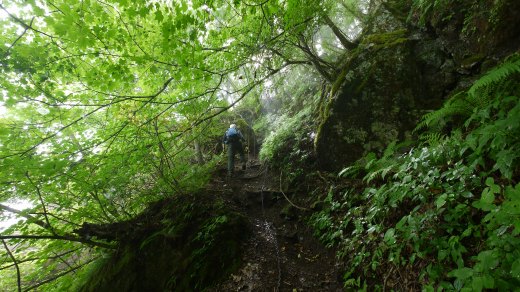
<point>281,254</point>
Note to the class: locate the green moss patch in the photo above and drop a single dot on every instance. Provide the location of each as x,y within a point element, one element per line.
<point>385,40</point>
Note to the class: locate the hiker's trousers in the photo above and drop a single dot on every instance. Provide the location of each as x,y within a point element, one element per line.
<point>233,149</point>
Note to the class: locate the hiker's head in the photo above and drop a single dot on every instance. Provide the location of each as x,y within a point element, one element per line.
<point>232,126</point>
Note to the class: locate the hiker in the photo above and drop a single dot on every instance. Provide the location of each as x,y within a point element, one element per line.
<point>233,138</point>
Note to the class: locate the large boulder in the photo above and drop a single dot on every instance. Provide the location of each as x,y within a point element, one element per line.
<point>380,96</point>
<point>400,71</point>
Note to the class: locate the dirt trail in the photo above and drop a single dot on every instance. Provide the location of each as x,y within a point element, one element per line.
<point>281,254</point>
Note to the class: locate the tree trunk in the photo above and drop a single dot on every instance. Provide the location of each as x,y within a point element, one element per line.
<point>198,150</point>
<point>339,34</point>
<point>315,60</point>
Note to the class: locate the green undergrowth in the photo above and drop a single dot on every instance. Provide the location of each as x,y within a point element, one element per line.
<point>290,146</point>
<point>198,243</point>
<point>481,20</point>
<point>444,215</point>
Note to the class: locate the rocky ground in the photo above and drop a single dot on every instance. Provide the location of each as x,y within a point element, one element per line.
<point>281,254</point>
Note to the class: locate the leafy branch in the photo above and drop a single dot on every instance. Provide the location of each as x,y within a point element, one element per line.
<point>23,24</point>
<point>47,223</point>
<point>59,275</point>
<point>25,215</point>
<point>39,258</point>
<point>7,52</point>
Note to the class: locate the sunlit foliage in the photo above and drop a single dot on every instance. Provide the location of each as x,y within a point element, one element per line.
<point>103,102</point>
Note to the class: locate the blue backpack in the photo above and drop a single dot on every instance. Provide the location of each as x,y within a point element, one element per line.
<point>232,135</point>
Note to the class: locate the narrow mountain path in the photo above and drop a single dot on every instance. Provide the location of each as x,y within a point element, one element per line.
<point>281,254</point>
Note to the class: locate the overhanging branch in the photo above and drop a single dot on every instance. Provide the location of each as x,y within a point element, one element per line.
<point>18,277</point>
<point>24,215</point>
<point>59,237</point>
<point>339,34</point>
<point>60,274</point>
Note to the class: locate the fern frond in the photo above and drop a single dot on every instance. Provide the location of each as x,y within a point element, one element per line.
<point>390,149</point>
<point>432,139</point>
<point>455,105</point>
<point>380,168</point>
<point>479,96</point>
<point>372,175</point>
<point>496,75</point>
<point>350,171</point>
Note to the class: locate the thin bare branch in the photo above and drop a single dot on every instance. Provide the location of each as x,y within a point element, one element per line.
<point>18,277</point>
<point>23,24</point>
<point>59,237</point>
<point>48,224</point>
<point>25,215</point>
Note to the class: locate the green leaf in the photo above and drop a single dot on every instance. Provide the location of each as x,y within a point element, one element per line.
<point>515,269</point>
<point>389,237</point>
<point>513,194</point>
<point>488,196</point>
<point>159,15</point>
<point>486,200</point>
<point>441,200</point>
<point>401,223</point>
<point>462,273</point>
<point>504,162</point>
<point>490,181</point>
<point>488,259</point>
<point>467,231</point>
<point>442,254</point>
<point>488,282</point>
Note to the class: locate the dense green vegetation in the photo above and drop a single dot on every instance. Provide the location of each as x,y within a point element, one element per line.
<point>447,211</point>
<point>111,116</point>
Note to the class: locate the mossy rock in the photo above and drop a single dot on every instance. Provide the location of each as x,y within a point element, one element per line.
<point>380,88</point>
<point>386,40</point>
<point>196,247</point>
<point>389,82</point>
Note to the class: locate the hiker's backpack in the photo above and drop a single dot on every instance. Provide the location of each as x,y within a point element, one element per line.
<point>232,135</point>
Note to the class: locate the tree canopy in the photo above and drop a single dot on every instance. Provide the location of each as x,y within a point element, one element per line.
<point>101,102</point>
<point>111,110</point>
